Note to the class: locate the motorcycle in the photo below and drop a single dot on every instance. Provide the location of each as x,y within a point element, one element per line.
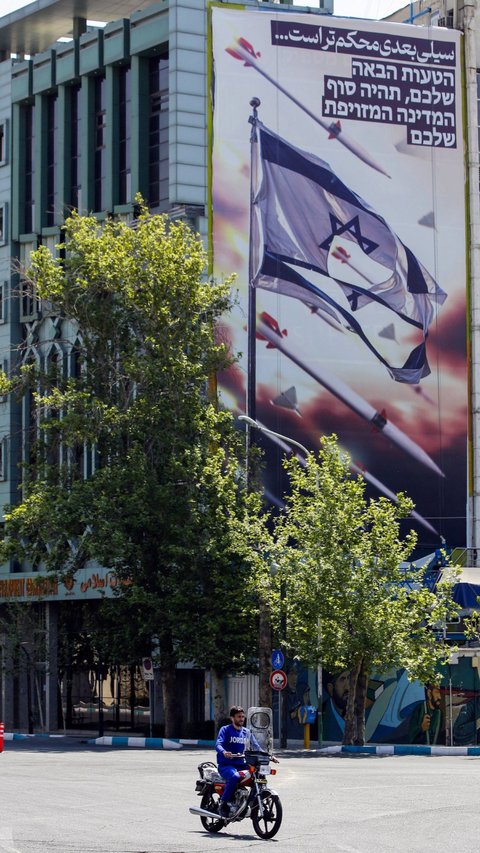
<point>253,798</point>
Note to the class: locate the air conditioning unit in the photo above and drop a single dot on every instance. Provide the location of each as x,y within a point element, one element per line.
<point>447,14</point>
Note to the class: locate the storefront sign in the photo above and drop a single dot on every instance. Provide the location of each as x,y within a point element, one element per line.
<point>91,582</point>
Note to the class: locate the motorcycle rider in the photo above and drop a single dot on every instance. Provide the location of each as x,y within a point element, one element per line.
<point>232,741</point>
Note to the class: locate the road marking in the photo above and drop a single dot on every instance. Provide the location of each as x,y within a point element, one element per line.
<point>6,840</point>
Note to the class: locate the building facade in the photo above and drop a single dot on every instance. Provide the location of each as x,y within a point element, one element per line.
<point>93,110</point>
<point>92,118</point>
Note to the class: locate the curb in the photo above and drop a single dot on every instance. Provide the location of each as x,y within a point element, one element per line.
<point>20,736</point>
<point>151,742</point>
<point>401,749</point>
<point>138,742</point>
<point>122,741</point>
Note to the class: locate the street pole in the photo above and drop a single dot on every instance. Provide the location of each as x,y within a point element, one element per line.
<point>282,697</point>
<point>100,701</point>
<point>150,703</point>
<point>29,689</point>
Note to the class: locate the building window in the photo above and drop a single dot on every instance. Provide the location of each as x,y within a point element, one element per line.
<point>77,451</point>
<point>3,223</point>
<point>99,144</point>
<point>158,132</point>
<point>54,369</point>
<point>4,397</point>
<point>3,301</point>
<point>28,303</point>
<point>75,148</point>
<point>124,142</point>
<point>51,160</point>
<point>3,142</point>
<point>3,458</point>
<point>29,192</point>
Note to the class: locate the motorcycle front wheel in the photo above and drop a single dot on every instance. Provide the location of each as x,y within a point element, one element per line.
<point>210,802</point>
<point>268,824</point>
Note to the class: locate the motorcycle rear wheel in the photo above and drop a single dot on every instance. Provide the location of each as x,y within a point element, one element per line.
<point>210,802</point>
<point>268,825</point>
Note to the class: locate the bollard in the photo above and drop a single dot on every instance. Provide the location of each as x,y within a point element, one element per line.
<point>2,730</point>
<point>306,736</point>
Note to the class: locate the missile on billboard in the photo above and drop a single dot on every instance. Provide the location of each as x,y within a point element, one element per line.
<point>269,330</point>
<point>341,254</point>
<point>327,317</point>
<point>421,393</point>
<point>383,489</point>
<point>356,468</point>
<point>243,50</point>
<point>288,400</point>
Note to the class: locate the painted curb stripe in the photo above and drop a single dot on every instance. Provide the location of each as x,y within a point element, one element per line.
<point>23,736</point>
<point>400,749</point>
<point>138,742</point>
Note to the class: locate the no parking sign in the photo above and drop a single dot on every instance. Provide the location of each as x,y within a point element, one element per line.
<point>278,679</point>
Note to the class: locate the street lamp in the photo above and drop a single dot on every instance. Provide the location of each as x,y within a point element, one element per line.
<point>29,688</point>
<point>256,425</point>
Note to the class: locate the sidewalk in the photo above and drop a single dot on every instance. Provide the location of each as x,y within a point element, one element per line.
<point>114,739</point>
<point>295,746</point>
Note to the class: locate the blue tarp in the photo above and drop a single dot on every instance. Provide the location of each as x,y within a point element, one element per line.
<point>467,591</point>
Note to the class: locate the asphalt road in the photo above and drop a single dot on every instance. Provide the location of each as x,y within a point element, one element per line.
<point>63,797</point>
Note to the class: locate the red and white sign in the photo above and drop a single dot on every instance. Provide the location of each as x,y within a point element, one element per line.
<point>278,679</point>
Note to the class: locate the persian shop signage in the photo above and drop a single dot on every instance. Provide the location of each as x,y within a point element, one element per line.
<point>90,582</point>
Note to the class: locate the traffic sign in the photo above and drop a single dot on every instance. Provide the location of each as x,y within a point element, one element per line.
<point>147,666</point>
<point>278,659</point>
<point>278,679</point>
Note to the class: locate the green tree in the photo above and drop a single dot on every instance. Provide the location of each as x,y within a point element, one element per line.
<point>164,504</point>
<point>349,603</point>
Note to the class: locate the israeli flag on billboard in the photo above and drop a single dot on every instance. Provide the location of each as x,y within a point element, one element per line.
<point>316,240</point>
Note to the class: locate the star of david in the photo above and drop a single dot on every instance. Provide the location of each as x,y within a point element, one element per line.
<point>352,227</point>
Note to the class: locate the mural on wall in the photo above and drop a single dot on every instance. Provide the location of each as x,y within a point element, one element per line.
<point>400,711</point>
<point>397,710</point>
<point>338,199</point>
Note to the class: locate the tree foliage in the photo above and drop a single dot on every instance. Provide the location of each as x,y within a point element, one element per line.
<point>349,602</point>
<point>162,505</point>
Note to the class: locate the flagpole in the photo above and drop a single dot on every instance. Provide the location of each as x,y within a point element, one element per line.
<point>252,296</point>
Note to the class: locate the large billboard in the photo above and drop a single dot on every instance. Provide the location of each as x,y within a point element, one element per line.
<point>338,198</point>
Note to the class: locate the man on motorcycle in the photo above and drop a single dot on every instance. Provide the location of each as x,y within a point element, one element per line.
<point>232,741</point>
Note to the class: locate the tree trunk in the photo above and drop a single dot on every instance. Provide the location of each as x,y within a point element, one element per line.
<point>264,655</point>
<point>349,733</point>
<point>220,712</point>
<point>360,699</point>
<point>171,708</point>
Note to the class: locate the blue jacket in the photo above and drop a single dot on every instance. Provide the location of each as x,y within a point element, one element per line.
<point>234,740</point>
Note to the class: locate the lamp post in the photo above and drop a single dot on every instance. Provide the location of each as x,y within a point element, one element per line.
<point>256,425</point>
<point>29,688</point>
